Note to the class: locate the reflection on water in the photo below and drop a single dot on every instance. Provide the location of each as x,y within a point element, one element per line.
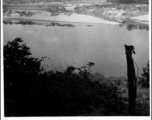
<point>137,26</point>
<point>28,22</point>
<point>101,44</point>
<point>131,25</point>
<point>10,22</point>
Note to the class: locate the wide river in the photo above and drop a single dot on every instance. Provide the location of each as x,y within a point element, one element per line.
<point>76,44</point>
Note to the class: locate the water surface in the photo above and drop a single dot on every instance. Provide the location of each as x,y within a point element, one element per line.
<point>76,44</point>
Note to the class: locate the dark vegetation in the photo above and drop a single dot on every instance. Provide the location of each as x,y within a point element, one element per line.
<point>55,8</point>
<point>134,26</point>
<point>30,91</point>
<point>142,105</point>
<point>145,79</point>
<point>23,22</point>
<point>131,25</point>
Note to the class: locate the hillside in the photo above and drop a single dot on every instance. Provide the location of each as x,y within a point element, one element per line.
<point>43,1</point>
<point>129,1</point>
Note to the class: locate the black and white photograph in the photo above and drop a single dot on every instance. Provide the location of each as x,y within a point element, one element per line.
<point>75,58</point>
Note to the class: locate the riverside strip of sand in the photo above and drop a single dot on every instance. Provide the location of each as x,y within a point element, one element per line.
<point>76,18</point>
<point>142,19</point>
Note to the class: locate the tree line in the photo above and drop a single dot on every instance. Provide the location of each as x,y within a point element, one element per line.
<point>35,1</point>
<point>129,1</point>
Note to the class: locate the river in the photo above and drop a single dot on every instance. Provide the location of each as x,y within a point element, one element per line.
<point>76,44</point>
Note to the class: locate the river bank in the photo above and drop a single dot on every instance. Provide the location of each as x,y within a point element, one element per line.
<point>60,17</point>
<point>142,19</point>
<point>118,13</point>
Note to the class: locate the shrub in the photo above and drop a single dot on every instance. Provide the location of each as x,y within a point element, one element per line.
<point>30,91</point>
<point>144,80</point>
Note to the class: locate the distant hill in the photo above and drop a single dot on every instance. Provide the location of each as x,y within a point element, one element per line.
<point>129,1</point>
<point>43,1</point>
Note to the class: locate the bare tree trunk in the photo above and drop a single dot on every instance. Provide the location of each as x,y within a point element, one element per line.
<point>131,79</point>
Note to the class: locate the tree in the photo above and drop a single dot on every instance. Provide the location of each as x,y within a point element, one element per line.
<point>20,71</point>
<point>132,87</point>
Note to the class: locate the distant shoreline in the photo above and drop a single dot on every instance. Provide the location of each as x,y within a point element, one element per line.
<point>74,18</point>
<point>52,21</point>
<point>142,19</point>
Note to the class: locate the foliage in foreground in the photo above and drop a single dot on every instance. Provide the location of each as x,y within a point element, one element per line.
<point>30,91</point>
<point>145,79</point>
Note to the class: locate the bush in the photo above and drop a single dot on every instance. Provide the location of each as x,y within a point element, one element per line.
<point>30,91</point>
<point>144,80</point>
<point>142,108</point>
